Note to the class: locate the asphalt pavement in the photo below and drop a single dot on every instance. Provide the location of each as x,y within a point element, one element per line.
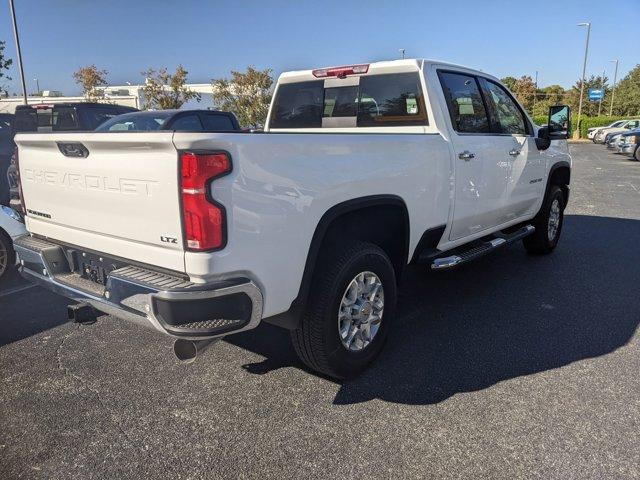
<point>514,366</point>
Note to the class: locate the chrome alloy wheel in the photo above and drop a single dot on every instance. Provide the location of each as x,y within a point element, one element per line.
<point>554,220</point>
<point>361,311</point>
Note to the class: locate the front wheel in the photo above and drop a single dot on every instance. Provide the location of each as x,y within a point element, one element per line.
<point>636,154</point>
<point>548,223</point>
<point>349,313</point>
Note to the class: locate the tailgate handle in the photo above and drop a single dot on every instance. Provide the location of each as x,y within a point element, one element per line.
<point>73,149</point>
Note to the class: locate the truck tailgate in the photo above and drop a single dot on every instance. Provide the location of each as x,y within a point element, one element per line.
<point>118,196</point>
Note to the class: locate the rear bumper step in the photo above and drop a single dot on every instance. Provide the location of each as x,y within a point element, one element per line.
<point>170,304</point>
<point>451,261</point>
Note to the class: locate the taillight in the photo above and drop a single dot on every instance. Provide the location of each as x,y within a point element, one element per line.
<point>18,180</point>
<point>341,72</point>
<point>203,218</point>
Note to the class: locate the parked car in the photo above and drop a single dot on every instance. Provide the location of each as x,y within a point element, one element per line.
<point>629,143</point>
<point>611,140</point>
<point>361,169</point>
<point>57,117</point>
<point>176,120</point>
<point>591,132</point>
<point>65,117</point>
<point>11,227</point>
<point>600,137</point>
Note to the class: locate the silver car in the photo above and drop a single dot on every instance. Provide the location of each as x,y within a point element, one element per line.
<point>601,135</point>
<point>629,143</point>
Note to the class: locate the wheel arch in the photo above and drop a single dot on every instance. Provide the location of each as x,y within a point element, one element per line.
<point>358,216</point>
<point>559,174</point>
<point>6,238</point>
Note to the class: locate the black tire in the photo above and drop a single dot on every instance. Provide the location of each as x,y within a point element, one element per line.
<point>636,154</point>
<point>317,341</point>
<point>540,242</point>
<point>7,255</point>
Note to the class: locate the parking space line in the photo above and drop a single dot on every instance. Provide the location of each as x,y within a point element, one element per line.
<point>10,291</point>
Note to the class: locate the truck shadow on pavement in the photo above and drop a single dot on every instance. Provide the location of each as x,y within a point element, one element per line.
<point>21,313</point>
<point>502,317</point>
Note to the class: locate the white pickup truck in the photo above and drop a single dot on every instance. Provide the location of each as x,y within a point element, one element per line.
<point>361,170</point>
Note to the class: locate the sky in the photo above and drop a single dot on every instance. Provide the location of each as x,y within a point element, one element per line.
<point>211,38</point>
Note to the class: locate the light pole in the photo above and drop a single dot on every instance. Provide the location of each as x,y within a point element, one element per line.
<point>584,70</point>
<point>601,88</point>
<point>613,93</point>
<point>15,34</point>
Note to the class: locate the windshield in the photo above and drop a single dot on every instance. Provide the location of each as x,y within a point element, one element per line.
<point>135,122</point>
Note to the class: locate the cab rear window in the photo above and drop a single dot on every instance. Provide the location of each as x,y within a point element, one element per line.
<point>298,105</point>
<point>377,101</point>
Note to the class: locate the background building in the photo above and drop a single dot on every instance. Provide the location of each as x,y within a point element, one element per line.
<point>128,95</point>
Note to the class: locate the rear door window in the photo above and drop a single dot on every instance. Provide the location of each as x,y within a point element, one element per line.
<point>464,102</point>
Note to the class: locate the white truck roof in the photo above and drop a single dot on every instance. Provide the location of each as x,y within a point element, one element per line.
<point>387,66</point>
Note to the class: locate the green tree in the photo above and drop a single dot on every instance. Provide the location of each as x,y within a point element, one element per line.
<point>589,108</point>
<point>247,95</point>
<point>524,89</point>
<point>5,63</point>
<point>90,78</point>
<point>163,90</point>
<point>627,98</point>
<point>510,83</point>
<point>546,97</point>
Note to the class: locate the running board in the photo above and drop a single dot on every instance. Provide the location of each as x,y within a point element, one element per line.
<point>444,263</point>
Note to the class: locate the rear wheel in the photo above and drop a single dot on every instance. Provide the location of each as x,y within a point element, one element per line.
<point>636,154</point>
<point>349,312</point>
<point>548,223</point>
<point>7,255</point>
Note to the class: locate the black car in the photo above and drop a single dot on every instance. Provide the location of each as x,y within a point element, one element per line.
<point>176,120</point>
<point>56,117</point>
<point>65,117</point>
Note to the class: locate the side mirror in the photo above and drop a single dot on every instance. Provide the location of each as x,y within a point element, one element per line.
<point>542,140</point>
<point>558,127</point>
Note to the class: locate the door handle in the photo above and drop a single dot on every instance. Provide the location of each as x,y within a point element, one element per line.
<point>466,155</point>
<point>514,152</point>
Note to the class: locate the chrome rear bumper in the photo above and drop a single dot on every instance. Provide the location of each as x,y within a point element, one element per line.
<point>170,304</point>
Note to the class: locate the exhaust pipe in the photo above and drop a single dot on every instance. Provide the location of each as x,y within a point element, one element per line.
<point>186,351</point>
